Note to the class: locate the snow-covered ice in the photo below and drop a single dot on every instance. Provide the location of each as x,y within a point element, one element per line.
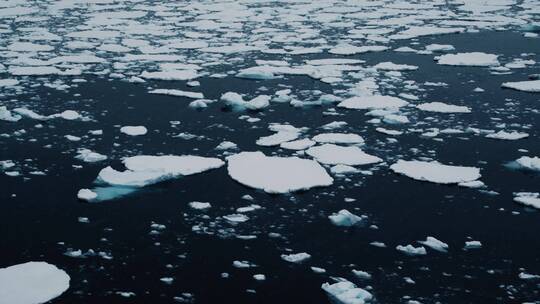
<point>436,172</point>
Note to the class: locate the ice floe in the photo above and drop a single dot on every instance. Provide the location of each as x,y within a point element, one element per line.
<point>331,154</point>
<point>275,174</point>
<point>436,172</point>
<point>532,86</point>
<point>441,107</point>
<point>531,199</point>
<point>372,102</point>
<point>134,130</point>
<point>345,218</point>
<point>469,59</point>
<point>345,292</point>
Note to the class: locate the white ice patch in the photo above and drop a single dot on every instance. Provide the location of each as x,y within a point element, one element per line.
<point>530,163</point>
<point>170,75</point>
<point>435,244</point>
<point>469,59</point>
<point>276,174</point>
<point>345,218</point>
<point>339,138</point>
<point>89,156</point>
<point>436,172</point>
<point>134,130</point>
<point>331,154</point>
<point>144,170</point>
<point>296,257</point>
<point>441,107</point>
<point>503,135</point>
<point>32,283</point>
<point>390,66</point>
<point>179,93</point>
<point>86,195</point>
<point>411,250</point>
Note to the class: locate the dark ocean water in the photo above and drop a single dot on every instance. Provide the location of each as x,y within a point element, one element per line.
<point>39,214</point>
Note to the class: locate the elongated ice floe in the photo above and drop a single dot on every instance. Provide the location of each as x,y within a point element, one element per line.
<point>345,292</point>
<point>372,102</point>
<point>331,154</point>
<point>469,59</point>
<point>89,156</point>
<point>441,107</point>
<point>179,93</point>
<point>276,174</point>
<point>532,86</point>
<point>435,172</point>
<point>134,130</point>
<point>296,257</point>
<point>503,135</point>
<point>145,170</point>
<point>339,138</point>
<point>170,75</point>
<point>390,66</point>
<point>411,250</point>
<point>530,163</point>
<point>435,244</point>
<point>32,283</point>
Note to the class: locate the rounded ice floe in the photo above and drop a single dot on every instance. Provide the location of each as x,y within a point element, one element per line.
<point>469,59</point>
<point>441,107</point>
<point>339,138</point>
<point>200,205</point>
<point>134,130</point>
<point>32,283</point>
<point>435,172</point>
<point>503,135</point>
<point>276,174</point>
<point>144,170</point>
<point>532,86</point>
<point>86,195</point>
<point>331,154</point>
<point>345,218</point>
<point>345,292</point>
<point>372,102</point>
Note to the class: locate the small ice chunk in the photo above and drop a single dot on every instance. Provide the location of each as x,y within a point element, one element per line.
<point>503,135</point>
<point>531,199</point>
<point>473,245</point>
<point>469,59</point>
<point>86,195</point>
<point>435,244</point>
<point>200,205</point>
<point>441,107</point>
<point>89,156</point>
<point>345,218</point>
<point>345,292</point>
<point>296,257</point>
<point>361,274</point>
<point>179,93</point>
<point>411,250</point>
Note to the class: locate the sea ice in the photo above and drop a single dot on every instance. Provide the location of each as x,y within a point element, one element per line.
<point>331,154</point>
<point>435,172</point>
<point>345,218</point>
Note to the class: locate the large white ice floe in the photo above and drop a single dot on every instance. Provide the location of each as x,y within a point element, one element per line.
<point>441,107</point>
<point>530,163</point>
<point>331,154</point>
<point>372,102</point>
<point>32,283</point>
<point>532,86</point>
<point>345,218</point>
<point>531,199</point>
<point>276,174</point>
<point>144,170</point>
<point>436,172</point>
<point>345,292</point>
<point>469,59</point>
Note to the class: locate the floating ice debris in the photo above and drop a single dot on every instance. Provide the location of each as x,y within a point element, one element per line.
<point>469,59</point>
<point>435,244</point>
<point>8,83</point>
<point>372,102</point>
<point>243,264</point>
<point>513,135</point>
<point>339,138</point>
<point>390,66</point>
<point>472,245</point>
<point>144,170</point>
<point>426,30</point>
<point>259,277</point>
<point>361,274</point>
<point>411,250</point>
<point>334,61</point>
<point>32,283</point>
<point>343,169</point>
<point>236,218</point>
<point>528,276</point>
<point>276,174</point>
<point>435,172</point>
<point>226,145</point>
<point>348,49</point>
<point>442,108</point>
<point>296,257</point>
<point>388,132</point>
<point>345,218</point>
<point>530,163</point>
<point>257,72</point>
<point>6,115</point>
<point>334,125</point>
<point>318,269</point>
<point>532,86</point>
<point>531,199</point>
<point>395,119</point>
<point>179,93</point>
<point>284,134</point>
<point>345,292</point>
<point>134,130</point>
<point>86,195</point>
<point>331,154</point>
<point>200,205</point>
<point>236,100</point>
<point>89,156</point>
